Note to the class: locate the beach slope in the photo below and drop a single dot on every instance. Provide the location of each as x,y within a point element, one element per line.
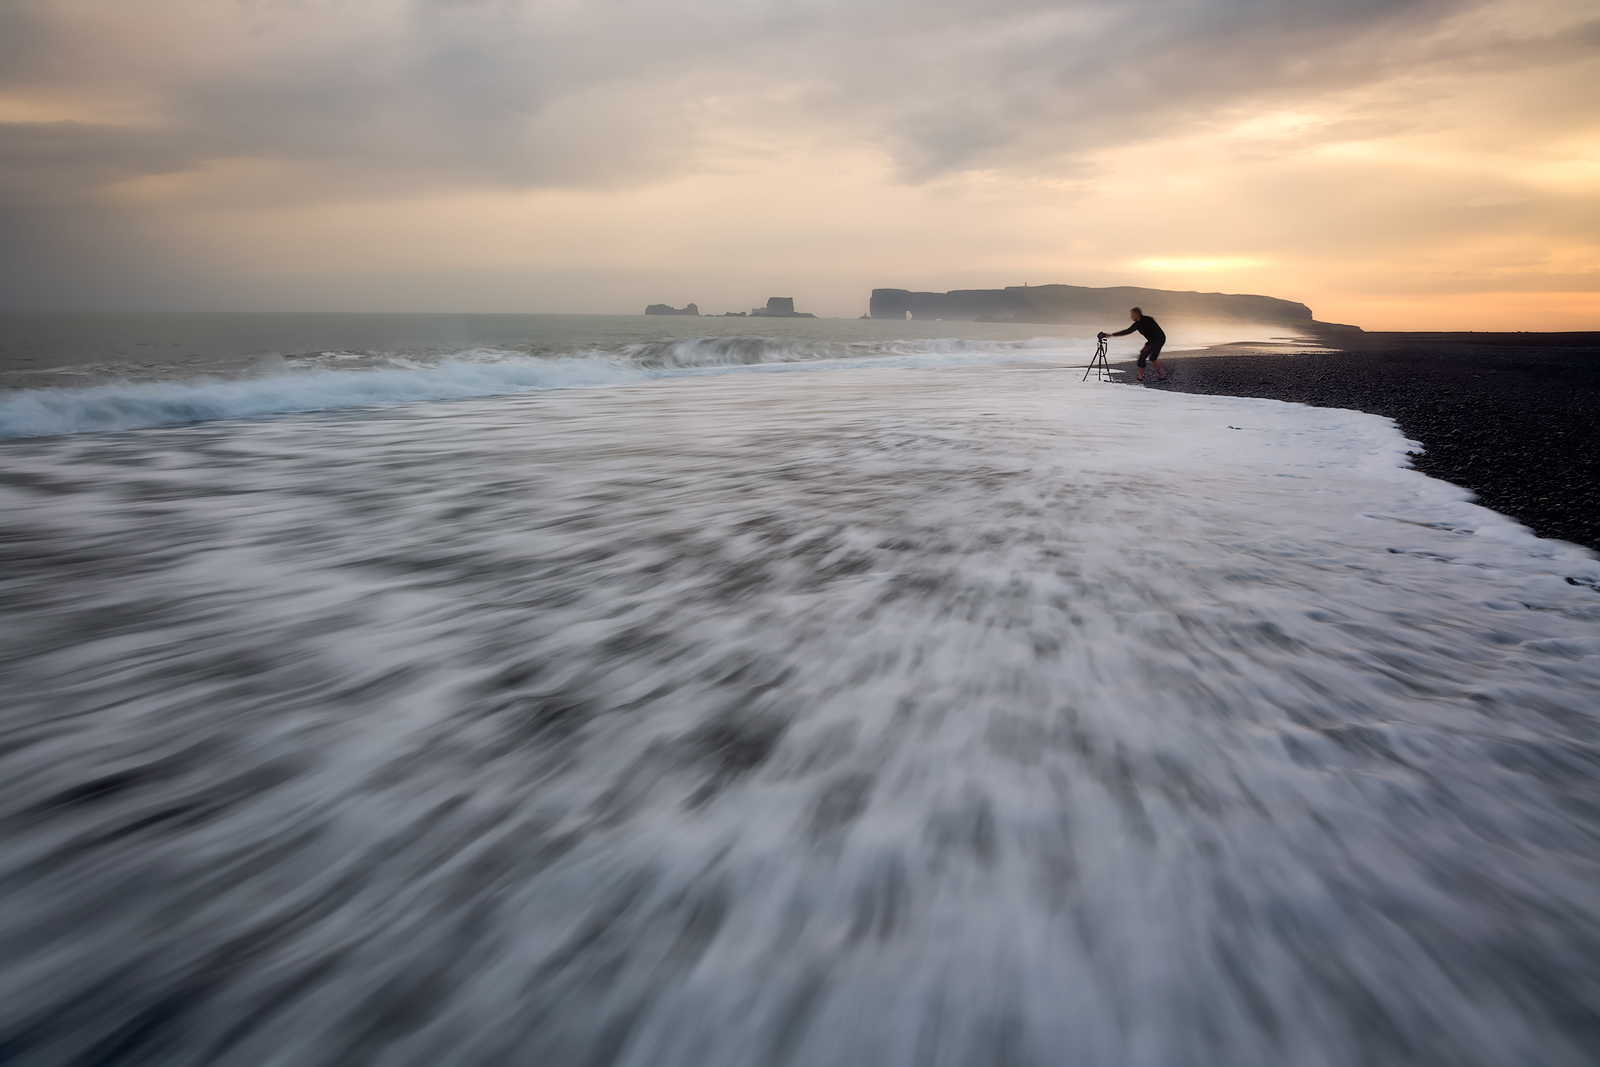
<point>1513,417</point>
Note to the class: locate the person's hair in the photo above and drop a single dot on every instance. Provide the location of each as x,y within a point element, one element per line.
<point>1135,311</point>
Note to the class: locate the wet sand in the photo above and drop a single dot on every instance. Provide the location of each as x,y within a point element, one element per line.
<point>1513,417</point>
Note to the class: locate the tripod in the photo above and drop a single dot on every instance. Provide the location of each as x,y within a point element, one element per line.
<point>1098,365</point>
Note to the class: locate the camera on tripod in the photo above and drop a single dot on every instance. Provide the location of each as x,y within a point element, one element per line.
<point>1098,365</point>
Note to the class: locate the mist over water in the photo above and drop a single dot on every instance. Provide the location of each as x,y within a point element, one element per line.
<point>967,715</point>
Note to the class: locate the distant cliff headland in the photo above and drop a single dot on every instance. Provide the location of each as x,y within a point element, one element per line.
<point>1079,304</point>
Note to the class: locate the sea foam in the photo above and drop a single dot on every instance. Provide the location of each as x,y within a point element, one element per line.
<point>129,405</point>
<point>985,716</point>
<point>323,381</point>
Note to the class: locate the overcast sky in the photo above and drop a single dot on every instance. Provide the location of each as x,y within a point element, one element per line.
<point>1392,163</point>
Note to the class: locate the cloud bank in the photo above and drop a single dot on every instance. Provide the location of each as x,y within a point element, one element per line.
<point>123,126</point>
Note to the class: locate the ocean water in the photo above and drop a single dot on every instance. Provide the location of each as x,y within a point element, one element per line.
<point>62,373</point>
<point>913,704</point>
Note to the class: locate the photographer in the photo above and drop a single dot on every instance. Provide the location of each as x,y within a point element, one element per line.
<point>1154,338</point>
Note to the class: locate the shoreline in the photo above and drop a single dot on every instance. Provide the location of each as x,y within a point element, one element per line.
<point>1510,417</point>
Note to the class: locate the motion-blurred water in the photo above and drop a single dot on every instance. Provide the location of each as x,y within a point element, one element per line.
<point>884,716</point>
<point>74,373</point>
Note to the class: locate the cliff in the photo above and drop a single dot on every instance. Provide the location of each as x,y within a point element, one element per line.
<point>668,309</point>
<point>1082,305</point>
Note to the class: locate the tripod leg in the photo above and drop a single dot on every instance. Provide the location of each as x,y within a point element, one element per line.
<point>1097,364</point>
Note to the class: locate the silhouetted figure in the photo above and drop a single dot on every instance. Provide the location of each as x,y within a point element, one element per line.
<point>1154,338</point>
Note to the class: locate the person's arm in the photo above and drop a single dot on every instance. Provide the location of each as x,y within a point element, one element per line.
<point>1120,333</point>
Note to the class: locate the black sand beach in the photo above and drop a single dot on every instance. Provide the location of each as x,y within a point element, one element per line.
<point>1513,417</point>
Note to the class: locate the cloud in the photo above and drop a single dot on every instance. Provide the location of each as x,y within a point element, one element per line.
<point>606,92</point>
<point>59,158</point>
<point>136,136</point>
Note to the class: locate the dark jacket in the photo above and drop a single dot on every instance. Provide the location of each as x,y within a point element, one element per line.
<point>1149,327</point>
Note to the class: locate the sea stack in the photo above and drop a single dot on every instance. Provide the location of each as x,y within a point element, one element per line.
<point>779,307</point>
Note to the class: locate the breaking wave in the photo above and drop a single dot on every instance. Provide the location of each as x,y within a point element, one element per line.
<point>130,405</point>
<point>715,352</point>
<point>327,380</point>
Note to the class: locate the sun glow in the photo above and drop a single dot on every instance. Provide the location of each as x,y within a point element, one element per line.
<point>1199,263</point>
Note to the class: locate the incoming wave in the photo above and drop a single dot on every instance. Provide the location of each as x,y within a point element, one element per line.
<point>717,352</point>
<point>127,406</point>
<point>312,383</point>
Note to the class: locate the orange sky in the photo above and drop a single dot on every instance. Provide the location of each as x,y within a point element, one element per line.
<point>1399,165</point>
